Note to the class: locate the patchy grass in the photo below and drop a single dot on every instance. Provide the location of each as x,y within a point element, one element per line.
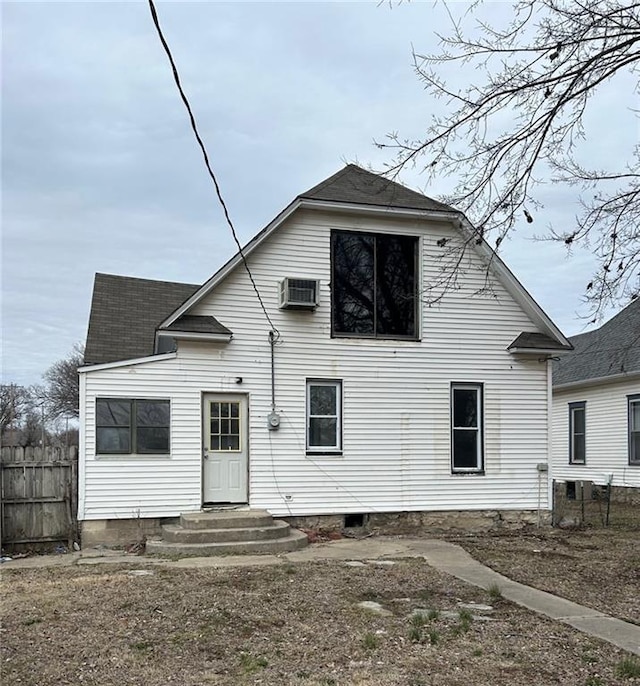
<point>629,668</point>
<point>280,626</point>
<point>596,567</point>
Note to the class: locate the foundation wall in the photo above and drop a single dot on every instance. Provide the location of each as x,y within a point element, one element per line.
<point>425,523</point>
<point>118,533</point>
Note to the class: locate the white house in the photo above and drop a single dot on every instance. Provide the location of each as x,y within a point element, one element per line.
<point>354,385</point>
<point>596,405</point>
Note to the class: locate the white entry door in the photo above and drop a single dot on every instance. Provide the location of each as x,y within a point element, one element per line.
<point>226,455</point>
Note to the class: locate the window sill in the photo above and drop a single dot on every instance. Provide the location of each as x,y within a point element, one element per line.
<point>577,464</point>
<point>474,472</point>
<point>132,456</point>
<point>324,453</point>
<point>365,337</point>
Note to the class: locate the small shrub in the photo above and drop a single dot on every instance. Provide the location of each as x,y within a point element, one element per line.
<point>594,681</point>
<point>415,634</point>
<point>494,592</point>
<point>425,594</point>
<point>31,621</point>
<point>433,615</point>
<point>434,637</point>
<point>629,668</point>
<point>370,641</point>
<point>477,652</point>
<point>466,618</point>
<point>418,620</point>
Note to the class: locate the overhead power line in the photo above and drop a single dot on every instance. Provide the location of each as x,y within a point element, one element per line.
<point>194,127</point>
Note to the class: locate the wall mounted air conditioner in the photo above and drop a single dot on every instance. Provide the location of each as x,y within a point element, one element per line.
<point>298,294</point>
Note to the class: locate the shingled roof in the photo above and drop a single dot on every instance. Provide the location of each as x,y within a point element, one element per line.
<point>125,313</point>
<point>356,185</point>
<point>531,340</point>
<point>198,324</point>
<point>611,350</point>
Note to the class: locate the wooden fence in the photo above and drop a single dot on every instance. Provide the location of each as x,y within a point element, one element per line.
<point>38,496</point>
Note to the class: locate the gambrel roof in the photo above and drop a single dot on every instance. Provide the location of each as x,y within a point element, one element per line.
<point>612,350</point>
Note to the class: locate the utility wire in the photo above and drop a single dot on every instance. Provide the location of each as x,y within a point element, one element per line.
<point>194,127</point>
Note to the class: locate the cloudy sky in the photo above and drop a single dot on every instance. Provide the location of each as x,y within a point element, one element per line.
<point>100,172</point>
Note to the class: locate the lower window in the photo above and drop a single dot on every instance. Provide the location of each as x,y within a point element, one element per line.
<point>467,453</point>
<point>126,426</point>
<point>577,433</point>
<point>324,416</point>
<point>634,429</point>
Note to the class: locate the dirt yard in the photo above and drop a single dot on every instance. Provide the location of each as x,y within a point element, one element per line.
<point>287,625</point>
<point>598,567</point>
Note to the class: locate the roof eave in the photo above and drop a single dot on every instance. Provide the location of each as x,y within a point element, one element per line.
<point>196,336</point>
<point>125,363</point>
<point>538,351</point>
<point>361,208</point>
<point>598,381</point>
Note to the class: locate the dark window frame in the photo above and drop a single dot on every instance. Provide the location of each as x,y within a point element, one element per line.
<point>632,400</point>
<point>416,287</point>
<point>324,450</point>
<point>480,451</point>
<point>580,405</point>
<point>133,427</point>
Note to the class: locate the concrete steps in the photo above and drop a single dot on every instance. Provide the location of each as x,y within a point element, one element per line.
<point>227,532</point>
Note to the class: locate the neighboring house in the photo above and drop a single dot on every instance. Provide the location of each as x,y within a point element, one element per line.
<point>596,404</point>
<point>372,397</point>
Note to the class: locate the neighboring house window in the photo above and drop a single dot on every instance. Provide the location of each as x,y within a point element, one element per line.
<point>126,426</point>
<point>577,433</point>
<point>634,429</point>
<point>466,427</point>
<point>324,416</point>
<point>374,285</point>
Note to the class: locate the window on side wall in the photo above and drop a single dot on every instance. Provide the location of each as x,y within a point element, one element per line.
<point>467,449</point>
<point>374,285</point>
<point>126,426</point>
<point>577,433</point>
<point>324,416</point>
<point>634,429</point>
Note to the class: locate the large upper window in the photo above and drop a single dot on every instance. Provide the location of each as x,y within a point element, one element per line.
<point>324,416</point>
<point>466,428</point>
<point>125,426</point>
<point>577,433</point>
<point>373,285</point>
<point>634,429</point>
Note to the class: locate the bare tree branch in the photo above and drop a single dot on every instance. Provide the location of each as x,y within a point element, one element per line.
<point>523,122</point>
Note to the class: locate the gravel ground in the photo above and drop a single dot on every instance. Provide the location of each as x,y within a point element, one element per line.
<point>296,624</point>
<point>599,567</point>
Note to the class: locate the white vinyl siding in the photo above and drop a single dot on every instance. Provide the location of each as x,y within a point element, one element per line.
<point>606,433</point>
<point>396,433</point>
